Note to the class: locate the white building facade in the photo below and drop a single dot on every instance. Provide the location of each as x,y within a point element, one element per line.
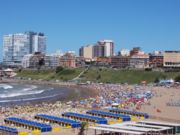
<point>16,46</point>
<point>52,61</point>
<point>26,60</point>
<point>39,43</point>
<point>108,47</point>
<point>8,49</point>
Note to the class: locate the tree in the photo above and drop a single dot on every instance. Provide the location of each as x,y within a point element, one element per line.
<point>177,78</point>
<point>82,128</point>
<point>59,69</point>
<point>156,80</point>
<point>41,63</point>
<point>98,77</point>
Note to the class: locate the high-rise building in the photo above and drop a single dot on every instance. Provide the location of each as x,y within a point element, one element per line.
<point>108,47</point>
<point>103,48</point>
<point>39,43</point>
<point>16,46</point>
<point>98,51</point>
<point>8,49</point>
<point>86,51</point>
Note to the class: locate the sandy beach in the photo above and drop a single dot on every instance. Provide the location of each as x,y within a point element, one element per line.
<point>159,101</point>
<point>98,96</point>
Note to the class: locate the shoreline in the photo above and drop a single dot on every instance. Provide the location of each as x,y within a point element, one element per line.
<point>74,92</point>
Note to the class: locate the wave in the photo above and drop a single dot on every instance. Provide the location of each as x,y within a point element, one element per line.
<point>28,99</point>
<point>32,87</point>
<point>20,94</point>
<point>5,86</point>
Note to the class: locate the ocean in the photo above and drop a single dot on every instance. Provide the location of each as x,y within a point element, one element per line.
<point>15,94</point>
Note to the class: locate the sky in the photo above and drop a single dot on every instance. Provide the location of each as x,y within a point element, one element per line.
<point>70,24</point>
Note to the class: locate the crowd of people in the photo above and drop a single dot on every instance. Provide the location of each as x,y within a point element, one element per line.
<point>124,96</point>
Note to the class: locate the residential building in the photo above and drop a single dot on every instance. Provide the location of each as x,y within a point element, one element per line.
<point>171,59</point>
<point>108,47</point>
<point>86,51</point>
<point>26,61</point>
<point>136,51</point>
<point>21,47</point>
<point>81,61</point>
<point>16,46</point>
<point>8,49</point>
<point>139,61</point>
<point>120,61</point>
<point>156,59</point>
<point>103,60</point>
<point>98,51</point>
<point>68,60</point>
<point>103,48</point>
<point>33,60</point>
<point>39,43</point>
<point>52,61</point>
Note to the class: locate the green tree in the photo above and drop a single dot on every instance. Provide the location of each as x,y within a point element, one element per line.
<point>82,128</point>
<point>59,69</point>
<point>40,64</point>
<point>98,77</point>
<point>156,80</point>
<point>177,78</point>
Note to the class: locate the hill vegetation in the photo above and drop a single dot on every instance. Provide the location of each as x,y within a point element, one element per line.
<point>105,75</point>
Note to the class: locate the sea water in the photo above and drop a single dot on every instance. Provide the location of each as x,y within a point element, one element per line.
<point>20,93</point>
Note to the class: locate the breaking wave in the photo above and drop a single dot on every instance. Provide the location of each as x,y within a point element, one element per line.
<point>28,99</point>
<point>20,94</point>
<point>5,86</point>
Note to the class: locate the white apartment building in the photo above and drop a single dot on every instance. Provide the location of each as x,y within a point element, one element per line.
<point>108,47</point>
<point>16,46</point>
<point>39,43</point>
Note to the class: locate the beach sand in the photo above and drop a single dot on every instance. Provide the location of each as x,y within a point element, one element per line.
<point>162,96</point>
<point>158,102</point>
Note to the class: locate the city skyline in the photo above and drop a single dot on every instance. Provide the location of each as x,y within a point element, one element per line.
<point>152,25</point>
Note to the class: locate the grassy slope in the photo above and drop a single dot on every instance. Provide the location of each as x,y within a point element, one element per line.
<point>130,76</point>
<point>66,74</point>
<point>100,75</point>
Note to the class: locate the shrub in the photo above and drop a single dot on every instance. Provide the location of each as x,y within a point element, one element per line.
<point>59,69</point>
<point>177,78</point>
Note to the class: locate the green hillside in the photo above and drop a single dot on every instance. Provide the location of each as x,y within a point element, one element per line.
<point>105,75</point>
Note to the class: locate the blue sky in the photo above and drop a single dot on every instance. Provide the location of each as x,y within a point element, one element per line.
<point>69,24</point>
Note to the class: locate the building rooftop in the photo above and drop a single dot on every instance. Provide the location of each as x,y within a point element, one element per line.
<point>172,51</point>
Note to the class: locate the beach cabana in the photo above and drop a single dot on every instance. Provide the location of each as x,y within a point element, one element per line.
<point>28,124</point>
<point>138,114</point>
<point>175,126</point>
<point>84,117</point>
<point>58,120</point>
<point>109,115</point>
<point>8,130</point>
